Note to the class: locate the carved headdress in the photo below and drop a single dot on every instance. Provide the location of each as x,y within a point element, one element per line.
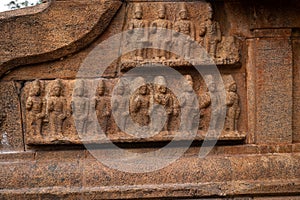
<point>182,8</point>
<point>57,83</point>
<point>160,80</point>
<point>162,7</point>
<point>138,8</point>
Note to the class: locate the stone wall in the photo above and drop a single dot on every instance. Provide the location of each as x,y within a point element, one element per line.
<point>51,89</point>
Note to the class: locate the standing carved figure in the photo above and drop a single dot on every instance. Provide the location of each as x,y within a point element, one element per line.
<point>138,34</point>
<point>211,32</point>
<point>162,37</point>
<point>233,108</point>
<point>121,106</point>
<point>56,108</point>
<point>189,106</point>
<point>80,107</point>
<point>184,26</point>
<point>140,103</point>
<point>212,97</point>
<point>35,106</point>
<point>163,104</point>
<point>102,106</point>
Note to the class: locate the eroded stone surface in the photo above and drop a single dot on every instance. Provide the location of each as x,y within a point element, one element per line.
<point>261,83</point>
<point>11,135</point>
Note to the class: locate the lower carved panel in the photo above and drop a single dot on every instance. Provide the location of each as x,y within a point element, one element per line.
<point>68,112</point>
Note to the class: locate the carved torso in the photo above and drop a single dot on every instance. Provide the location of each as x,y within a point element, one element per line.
<point>56,104</point>
<point>35,104</point>
<point>183,26</point>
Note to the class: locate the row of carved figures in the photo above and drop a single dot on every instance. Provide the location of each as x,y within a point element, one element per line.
<point>142,103</point>
<point>209,33</point>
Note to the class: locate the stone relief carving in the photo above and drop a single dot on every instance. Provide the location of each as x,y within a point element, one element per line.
<point>184,26</point>
<point>232,103</point>
<point>48,118</point>
<point>210,33</point>
<point>188,105</point>
<point>120,105</point>
<point>56,109</point>
<point>140,36</point>
<point>163,39</point>
<point>80,107</point>
<point>140,103</point>
<point>163,103</point>
<point>102,106</point>
<point>200,26</point>
<point>36,110</point>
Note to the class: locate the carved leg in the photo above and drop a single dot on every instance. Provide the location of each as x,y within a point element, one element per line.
<point>39,126</point>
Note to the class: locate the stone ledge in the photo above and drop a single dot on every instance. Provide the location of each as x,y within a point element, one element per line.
<point>73,175</point>
<point>235,188</point>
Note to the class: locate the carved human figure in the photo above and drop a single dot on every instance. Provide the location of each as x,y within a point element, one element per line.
<point>162,37</point>
<point>212,95</point>
<point>35,106</point>
<point>121,105</point>
<point>189,104</point>
<point>211,32</point>
<point>56,108</point>
<point>138,34</point>
<point>80,107</point>
<point>187,27</point>
<point>233,108</point>
<point>163,104</point>
<point>139,105</point>
<point>102,106</point>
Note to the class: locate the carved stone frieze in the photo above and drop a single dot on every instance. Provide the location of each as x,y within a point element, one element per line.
<point>193,20</point>
<point>59,111</point>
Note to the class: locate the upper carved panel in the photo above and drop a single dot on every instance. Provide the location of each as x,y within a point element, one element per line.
<point>193,20</point>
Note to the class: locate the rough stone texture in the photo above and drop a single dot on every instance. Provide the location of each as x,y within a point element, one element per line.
<point>11,135</point>
<point>76,173</point>
<point>63,28</point>
<point>261,162</point>
<point>296,86</point>
<point>273,85</point>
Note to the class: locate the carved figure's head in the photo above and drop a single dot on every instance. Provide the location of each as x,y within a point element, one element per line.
<point>211,85</point>
<point>79,88</point>
<point>35,90</point>
<point>230,84</point>
<point>160,84</point>
<point>138,12</point>
<point>233,87</point>
<point>162,12</point>
<point>56,88</point>
<point>122,87</point>
<point>143,89</point>
<point>190,82</point>
<point>183,13</point>
<point>101,88</point>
